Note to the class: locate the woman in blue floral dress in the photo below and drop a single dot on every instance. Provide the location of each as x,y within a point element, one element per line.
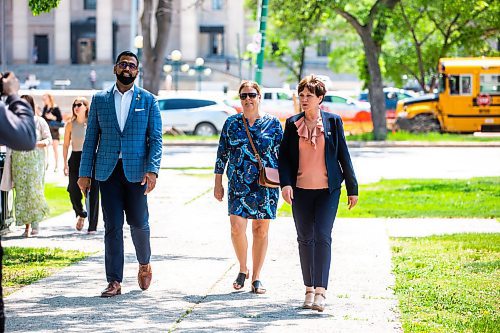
<point>246,198</point>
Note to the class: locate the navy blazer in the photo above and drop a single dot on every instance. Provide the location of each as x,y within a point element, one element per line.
<point>337,158</point>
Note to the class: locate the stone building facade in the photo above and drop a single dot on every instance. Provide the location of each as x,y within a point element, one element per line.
<point>81,35</point>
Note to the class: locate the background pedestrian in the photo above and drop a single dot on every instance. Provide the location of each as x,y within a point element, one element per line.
<point>74,136</point>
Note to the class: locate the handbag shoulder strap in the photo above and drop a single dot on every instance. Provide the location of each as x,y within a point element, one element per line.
<point>257,156</point>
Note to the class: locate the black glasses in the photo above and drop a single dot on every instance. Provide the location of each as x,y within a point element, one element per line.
<point>77,105</point>
<point>125,64</point>
<point>244,96</point>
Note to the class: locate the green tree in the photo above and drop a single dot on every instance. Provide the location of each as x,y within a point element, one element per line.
<point>42,6</point>
<point>346,56</point>
<point>370,21</point>
<point>425,30</point>
<point>294,27</point>
<point>301,23</point>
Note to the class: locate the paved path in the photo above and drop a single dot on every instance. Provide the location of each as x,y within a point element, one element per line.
<point>194,266</point>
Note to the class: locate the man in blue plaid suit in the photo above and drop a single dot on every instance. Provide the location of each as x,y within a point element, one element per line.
<point>122,150</point>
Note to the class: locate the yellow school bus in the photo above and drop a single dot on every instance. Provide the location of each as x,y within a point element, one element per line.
<point>468,99</point>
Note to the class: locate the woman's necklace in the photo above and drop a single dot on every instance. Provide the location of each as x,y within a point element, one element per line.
<point>310,124</point>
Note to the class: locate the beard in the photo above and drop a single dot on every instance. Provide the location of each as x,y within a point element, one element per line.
<point>126,80</point>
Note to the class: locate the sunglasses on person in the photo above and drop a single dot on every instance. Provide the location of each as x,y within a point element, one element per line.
<point>125,64</point>
<point>244,96</point>
<point>77,105</point>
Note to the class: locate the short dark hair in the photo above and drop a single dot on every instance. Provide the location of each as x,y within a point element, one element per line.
<point>313,84</point>
<point>126,54</point>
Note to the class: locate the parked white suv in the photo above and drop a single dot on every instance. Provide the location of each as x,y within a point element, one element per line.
<point>198,116</point>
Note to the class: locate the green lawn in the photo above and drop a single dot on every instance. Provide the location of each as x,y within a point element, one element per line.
<point>396,136</point>
<point>23,266</point>
<point>57,198</point>
<point>448,283</point>
<point>476,197</point>
<point>431,137</point>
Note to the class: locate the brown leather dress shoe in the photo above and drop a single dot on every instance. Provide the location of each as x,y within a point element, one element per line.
<point>144,276</point>
<point>114,288</point>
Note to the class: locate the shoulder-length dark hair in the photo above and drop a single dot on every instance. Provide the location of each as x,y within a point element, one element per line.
<point>30,100</point>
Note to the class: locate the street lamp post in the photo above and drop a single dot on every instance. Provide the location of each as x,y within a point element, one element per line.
<point>200,70</point>
<point>176,57</point>
<point>252,49</point>
<point>139,44</point>
<point>174,64</point>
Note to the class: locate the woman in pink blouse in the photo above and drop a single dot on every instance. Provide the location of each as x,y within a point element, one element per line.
<point>313,162</point>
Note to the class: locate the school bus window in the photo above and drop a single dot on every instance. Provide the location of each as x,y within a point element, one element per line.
<point>490,84</point>
<point>442,83</point>
<point>454,84</point>
<point>465,84</point>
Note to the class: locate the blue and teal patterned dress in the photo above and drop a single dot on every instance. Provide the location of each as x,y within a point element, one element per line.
<point>246,198</point>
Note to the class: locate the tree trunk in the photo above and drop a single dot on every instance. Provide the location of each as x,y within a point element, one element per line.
<point>154,54</point>
<point>375,87</point>
<point>372,39</point>
<point>302,62</point>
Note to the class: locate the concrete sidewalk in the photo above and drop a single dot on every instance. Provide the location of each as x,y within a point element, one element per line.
<point>194,266</point>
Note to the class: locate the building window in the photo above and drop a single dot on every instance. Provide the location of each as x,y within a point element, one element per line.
<point>323,48</point>
<point>217,43</point>
<point>217,4</point>
<point>89,4</point>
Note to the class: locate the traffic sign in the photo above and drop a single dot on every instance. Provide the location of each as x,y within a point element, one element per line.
<point>483,100</point>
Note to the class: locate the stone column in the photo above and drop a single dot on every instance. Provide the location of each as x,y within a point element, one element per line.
<point>235,27</point>
<point>189,32</point>
<point>62,32</point>
<point>20,50</point>
<point>104,32</point>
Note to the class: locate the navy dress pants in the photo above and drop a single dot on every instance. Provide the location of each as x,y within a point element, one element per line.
<point>119,196</point>
<point>314,212</point>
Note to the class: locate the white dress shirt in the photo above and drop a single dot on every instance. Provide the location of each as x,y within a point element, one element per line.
<point>122,105</point>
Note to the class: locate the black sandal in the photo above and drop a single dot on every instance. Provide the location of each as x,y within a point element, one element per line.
<point>240,280</point>
<point>258,287</point>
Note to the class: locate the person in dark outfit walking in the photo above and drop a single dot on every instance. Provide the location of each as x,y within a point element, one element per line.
<point>74,135</point>
<point>313,162</point>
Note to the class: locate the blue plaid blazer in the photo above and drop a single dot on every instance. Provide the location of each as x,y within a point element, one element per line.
<point>140,142</point>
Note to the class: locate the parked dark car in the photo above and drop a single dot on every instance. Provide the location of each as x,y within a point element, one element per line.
<point>392,96</point>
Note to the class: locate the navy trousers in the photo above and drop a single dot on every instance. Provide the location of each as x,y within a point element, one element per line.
<point>119,196</point>
<point>314,212</point>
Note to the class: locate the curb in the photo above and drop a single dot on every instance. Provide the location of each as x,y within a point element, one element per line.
<point>366,144</point>
<point>419,144</point>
